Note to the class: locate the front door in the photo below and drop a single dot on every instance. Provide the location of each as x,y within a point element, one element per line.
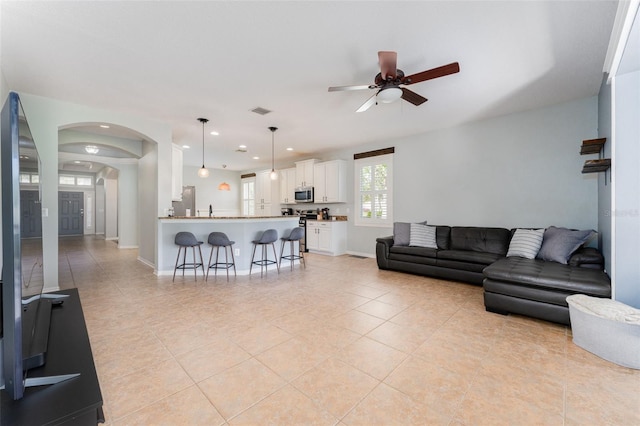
<point>30,215</point>
<point>71,213</point>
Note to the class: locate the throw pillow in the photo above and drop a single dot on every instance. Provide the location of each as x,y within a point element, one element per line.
<point>423,236</point>
<point>401,233</point>
<point>525,243</point>
<point>558,244</point>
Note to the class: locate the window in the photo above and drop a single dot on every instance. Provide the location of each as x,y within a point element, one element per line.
<point>374,190</point>
<point>66,180</point>
<point>75,180</point>
<point>249,196</point>
<point>26,178</point>
<point>84,181</point>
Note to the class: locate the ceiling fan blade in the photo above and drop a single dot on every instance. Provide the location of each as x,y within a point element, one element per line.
<point>432,73</point>
<point>344,88</point>
<point>368,104</point>
<point>412,97</point>
<point>387,61</point>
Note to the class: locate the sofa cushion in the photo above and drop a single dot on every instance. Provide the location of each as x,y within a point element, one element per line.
<point>559,244</point>
<point>550,275</point>
<point>461,266</point>
<point>423,236</point>
<point>443,233</point>
<point>413,251</point>
<point>486,240</point>
<point>469,256</point>
<point>525,243</point>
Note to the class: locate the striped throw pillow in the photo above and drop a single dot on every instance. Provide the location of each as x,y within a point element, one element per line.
<point>526,243</point>
<point>423,236</point>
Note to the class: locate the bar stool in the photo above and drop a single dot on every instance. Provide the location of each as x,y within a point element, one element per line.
<point>296,235</point>
<point>270,236</point>
<point>217,240</point>
<point>185,240</point>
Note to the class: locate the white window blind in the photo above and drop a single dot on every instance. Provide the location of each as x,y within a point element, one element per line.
<point>374,190</point>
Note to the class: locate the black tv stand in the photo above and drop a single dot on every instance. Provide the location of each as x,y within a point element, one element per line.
<point>77,401</point>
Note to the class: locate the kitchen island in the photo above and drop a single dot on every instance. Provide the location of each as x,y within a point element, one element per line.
<point>241,229</point>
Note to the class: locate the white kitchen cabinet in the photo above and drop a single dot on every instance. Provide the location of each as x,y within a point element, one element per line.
<point>330,179</point>
<point>304,173</point>
<point>265,190</point>
<point>327,237</point>
<point>176,173</point>
<point>288,186</point>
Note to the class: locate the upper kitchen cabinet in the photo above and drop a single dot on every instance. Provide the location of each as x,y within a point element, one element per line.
<point>304,173</point>
<point>330,181</point>
<point>288,186</point>
<point>176,173</point>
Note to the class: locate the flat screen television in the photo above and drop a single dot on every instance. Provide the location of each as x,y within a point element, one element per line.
<point>26,310</point>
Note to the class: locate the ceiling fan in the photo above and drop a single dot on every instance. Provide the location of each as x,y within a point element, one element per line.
<point>389,80</point>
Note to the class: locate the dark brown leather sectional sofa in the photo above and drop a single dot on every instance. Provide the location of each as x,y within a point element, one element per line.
<point>477,255</point>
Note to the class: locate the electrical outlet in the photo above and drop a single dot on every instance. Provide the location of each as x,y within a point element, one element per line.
<point>45,212</point>
<point>236,252</point>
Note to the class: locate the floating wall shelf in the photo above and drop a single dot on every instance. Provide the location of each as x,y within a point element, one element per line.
<point>595,166</point>
<point>594,146</point>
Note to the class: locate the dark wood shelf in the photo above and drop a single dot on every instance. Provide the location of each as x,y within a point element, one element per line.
<point>596,166</point>
<point>592,146</point>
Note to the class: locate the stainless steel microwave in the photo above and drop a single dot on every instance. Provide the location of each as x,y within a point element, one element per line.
<point>304,194</point>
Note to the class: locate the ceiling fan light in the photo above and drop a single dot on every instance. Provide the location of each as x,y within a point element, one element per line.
<point>386,96</point>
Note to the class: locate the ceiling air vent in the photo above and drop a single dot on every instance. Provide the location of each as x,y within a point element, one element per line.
<point>261,111</point>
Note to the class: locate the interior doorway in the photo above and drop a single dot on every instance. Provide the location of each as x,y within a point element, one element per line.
<point>71,213</point>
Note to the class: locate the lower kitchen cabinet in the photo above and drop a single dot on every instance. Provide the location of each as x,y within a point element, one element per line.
<point>327,237</point>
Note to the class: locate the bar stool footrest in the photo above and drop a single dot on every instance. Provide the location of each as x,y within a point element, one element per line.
<point>189,266</point>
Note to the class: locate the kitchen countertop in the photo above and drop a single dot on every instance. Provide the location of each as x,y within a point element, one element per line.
<point>337,219</point>
<point>225,217</point>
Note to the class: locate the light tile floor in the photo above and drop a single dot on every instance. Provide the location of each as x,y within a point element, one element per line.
<point>339,342</point>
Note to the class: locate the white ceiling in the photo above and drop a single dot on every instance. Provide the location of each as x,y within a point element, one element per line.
<point>177,61</point>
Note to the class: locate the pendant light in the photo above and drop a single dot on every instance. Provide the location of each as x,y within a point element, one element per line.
<point>273,174</point>
<point>224,186</point>
<point>203,172</point>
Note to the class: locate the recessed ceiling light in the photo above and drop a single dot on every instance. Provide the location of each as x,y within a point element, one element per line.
<point>289,149</point>
<point>256,158</point>
<point>214,133</point>
<point>186,146</point>
<point>104,126</point>
<point>242,146</point>
<point>77,161</point>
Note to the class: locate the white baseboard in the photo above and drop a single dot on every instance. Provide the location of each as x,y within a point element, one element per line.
<point>146,262</point>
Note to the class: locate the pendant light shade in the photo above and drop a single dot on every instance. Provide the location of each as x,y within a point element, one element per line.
<point>203,172</point>
<point>224,186</point>
<point>273,174</point>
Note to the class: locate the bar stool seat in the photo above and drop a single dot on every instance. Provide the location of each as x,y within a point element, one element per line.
<point>270,236</point>
<point>296,234</point>
<point>184,240</point>
<point>217,240</point>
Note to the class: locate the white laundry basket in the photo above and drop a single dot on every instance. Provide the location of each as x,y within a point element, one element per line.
<point>606,328</point>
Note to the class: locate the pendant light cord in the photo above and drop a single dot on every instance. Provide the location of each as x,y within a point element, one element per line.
<point>273,131</point>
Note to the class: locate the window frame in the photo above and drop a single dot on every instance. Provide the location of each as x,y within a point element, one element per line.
<point>247,202</point>
<point>360,163</point>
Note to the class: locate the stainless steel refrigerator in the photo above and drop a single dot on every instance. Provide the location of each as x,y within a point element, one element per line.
<point>188,202</point>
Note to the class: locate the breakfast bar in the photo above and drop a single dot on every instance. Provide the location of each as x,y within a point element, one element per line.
<point>241,229</point>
